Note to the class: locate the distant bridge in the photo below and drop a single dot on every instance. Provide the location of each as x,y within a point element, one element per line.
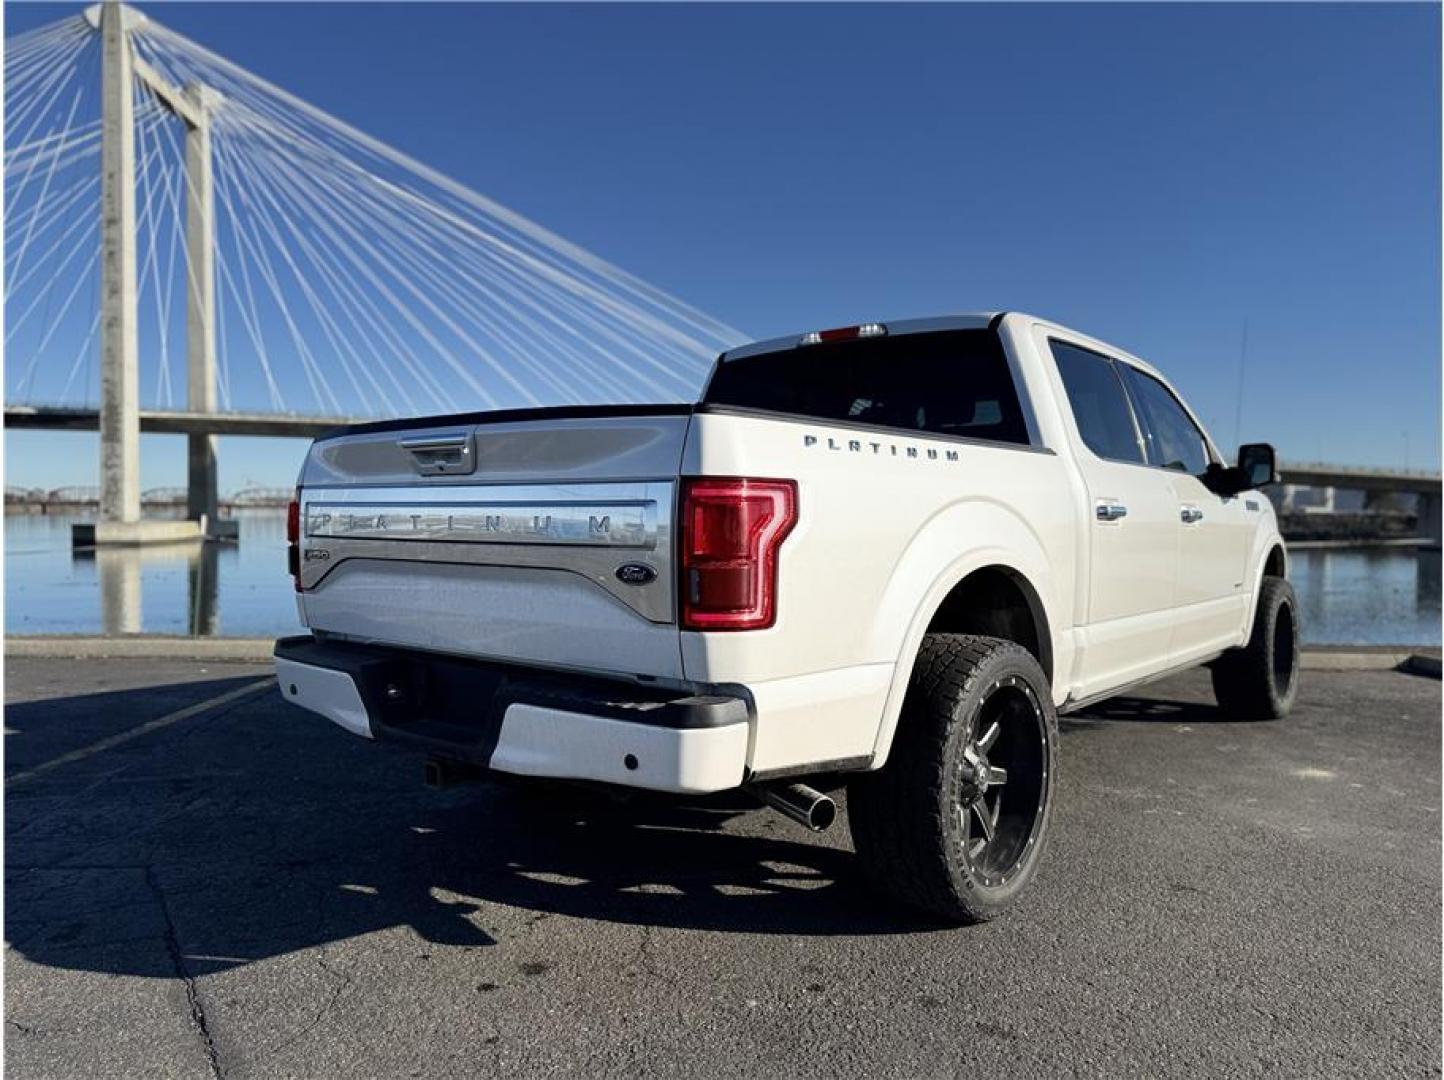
<point>1360,478</point>
<point>207,254</point>
<point>168,497</point>
<point>1373,481</point>
<point>173,422</point>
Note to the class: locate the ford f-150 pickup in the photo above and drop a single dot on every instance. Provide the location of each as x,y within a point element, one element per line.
<point>886,553</point>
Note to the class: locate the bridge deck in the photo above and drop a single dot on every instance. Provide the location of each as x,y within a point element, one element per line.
<point>1359,478</point>
<point>281,425</point>
<point>162,422</point>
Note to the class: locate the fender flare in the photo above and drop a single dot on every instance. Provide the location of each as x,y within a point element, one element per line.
<point>1264,547</point>
<point>942,587</point>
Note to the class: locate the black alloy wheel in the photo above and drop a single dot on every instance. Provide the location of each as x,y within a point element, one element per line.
<point>1002,782</point>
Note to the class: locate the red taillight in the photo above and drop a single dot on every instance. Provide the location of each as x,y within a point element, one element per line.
<point>732,529</point>
<point>293,539</point>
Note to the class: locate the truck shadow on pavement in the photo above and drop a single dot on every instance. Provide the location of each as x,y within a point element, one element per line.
<point>253,829</point>
<point>1144,710</point>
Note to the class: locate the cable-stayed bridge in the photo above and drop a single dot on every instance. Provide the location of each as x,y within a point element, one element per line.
<point>192,249</point>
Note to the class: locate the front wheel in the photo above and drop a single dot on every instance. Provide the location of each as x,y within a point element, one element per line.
<point>1261,679</point>
<point>955,822</point>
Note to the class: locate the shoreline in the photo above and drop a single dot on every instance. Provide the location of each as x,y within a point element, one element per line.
<point>1399,543</point>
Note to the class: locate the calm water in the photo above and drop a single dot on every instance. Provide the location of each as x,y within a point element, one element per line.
<point>1366,596</point>
<point>236,589</point>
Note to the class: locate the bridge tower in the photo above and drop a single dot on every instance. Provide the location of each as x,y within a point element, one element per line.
<point>119,348</point>
<point>120,520</point>
<point>201,498</point>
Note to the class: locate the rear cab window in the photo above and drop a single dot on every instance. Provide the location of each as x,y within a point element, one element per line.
<point>955,383</point>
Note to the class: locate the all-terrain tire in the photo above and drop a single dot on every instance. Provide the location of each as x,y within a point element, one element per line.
<point>1260,680</point>
<point>915,822</point>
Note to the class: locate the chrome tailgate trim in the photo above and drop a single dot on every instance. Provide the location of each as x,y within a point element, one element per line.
<point>587,529</point>
<point>593,524</point>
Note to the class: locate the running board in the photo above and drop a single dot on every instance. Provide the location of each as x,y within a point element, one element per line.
<point>1093,699</point>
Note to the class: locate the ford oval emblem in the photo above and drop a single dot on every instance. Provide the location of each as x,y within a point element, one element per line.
<point>635,573</point>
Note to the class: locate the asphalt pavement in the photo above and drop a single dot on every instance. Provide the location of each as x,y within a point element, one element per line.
<point>201,879</point>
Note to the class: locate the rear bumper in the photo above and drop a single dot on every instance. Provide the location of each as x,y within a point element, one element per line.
<point>522,720</point>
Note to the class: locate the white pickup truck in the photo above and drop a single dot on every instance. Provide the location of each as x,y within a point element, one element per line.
<point>891,552</point>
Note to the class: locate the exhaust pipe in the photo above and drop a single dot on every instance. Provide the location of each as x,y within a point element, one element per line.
<point>804,805</point>
<point>441,773</point>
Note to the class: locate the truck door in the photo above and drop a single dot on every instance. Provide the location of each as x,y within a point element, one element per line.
<point>1133,528</point>
<point>1215,531</point>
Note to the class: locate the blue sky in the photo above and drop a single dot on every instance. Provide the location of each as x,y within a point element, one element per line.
<point>1154,175</point>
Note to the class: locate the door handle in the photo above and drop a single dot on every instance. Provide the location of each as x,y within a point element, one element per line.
<point>451,440</point>
<point>449,453</point>
<point>1111,511</point>
<point>1190,514</point>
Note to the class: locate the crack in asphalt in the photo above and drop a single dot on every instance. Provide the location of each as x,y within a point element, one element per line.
<point>336,992</point>
<point>197,1010</point>
<point>650,963</point>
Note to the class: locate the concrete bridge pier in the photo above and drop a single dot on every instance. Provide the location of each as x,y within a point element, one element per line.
<point>119,520</point>
<point>201,498</point>
<point>202,494</point>
<point>1431,522</point>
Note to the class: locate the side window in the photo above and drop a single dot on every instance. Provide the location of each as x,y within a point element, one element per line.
<point>1174,441</point>
<point>1099,404</point>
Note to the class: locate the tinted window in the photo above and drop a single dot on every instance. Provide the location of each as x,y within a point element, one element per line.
<point>1100,406</point>
<point>955,382</point>
<point>1173,440</point>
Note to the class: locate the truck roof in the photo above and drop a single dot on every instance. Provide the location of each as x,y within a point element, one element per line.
<point>968,321</point>
<point>976,320</point>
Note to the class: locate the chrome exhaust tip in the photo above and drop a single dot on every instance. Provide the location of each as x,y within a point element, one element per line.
<point>804,805</point>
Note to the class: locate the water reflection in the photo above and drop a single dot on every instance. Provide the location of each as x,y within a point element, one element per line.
<point>1374,596</point>
<point>186,588</point>
<point>1427,584</point>
<point>205,590</point>
<point>118,570</point>
<point>1358,596</point>
<point>119,589</point>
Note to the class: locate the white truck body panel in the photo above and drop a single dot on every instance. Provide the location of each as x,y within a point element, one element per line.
<point>843,612</point>
<point>566,745</point>
<point>485,539</point>
<point>330,693</point>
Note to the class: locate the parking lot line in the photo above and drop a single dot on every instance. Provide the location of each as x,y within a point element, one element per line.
<point>151,725</point>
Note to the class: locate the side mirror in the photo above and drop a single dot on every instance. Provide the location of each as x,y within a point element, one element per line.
<point>1257,466</point>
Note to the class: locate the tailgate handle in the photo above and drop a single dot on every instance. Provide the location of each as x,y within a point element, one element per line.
<point>438,455</point>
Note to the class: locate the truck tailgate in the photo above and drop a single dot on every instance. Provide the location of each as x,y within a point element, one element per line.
<point>545,540</point>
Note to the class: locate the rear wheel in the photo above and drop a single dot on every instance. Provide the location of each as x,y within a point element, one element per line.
<point>955,822</point>
<point>1261,679</point>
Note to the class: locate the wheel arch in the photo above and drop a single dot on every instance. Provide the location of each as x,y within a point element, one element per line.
<point>997,601</point>
<point>1276,562</point>
<point>991,597</point>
